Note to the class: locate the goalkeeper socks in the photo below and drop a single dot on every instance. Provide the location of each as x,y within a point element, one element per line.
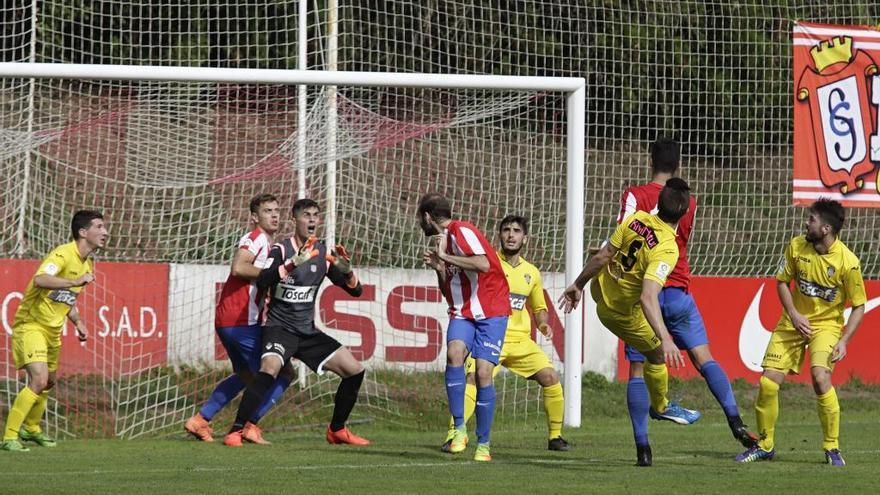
<point>346,396</point>
<point>554,406</point>
<point>33,418</point>
<point>829,416</point>
<point>485,412</point>
<point>455,380</point>
<point>638,403</point>
<point>275,392</point>
<point>657,380</point>
<point>719,385</point>
<point>253,397</point>
<point>767,411</point>
<point>22,405</point>
<point>223,394</point>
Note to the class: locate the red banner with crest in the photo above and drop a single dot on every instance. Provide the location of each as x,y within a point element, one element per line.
<point>836,102</point>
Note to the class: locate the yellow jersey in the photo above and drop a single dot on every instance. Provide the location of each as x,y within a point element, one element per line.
<point>49,307</point>
<point>524,281</point>
<point>646,249</point>
<point>823,282</point>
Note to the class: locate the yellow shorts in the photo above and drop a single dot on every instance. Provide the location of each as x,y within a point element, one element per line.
<point>632,328</point>
<point>785,351</point>
<point>525,358</point>
<point>34,343</point>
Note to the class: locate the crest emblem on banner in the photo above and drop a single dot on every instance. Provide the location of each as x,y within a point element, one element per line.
<point>838,88</point>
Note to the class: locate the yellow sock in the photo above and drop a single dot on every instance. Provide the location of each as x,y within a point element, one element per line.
<point>829,416</point>
<point>470,404</point>
<point>554,406</point>
<point>767,411</point>
<point>32,420</point>
<point>24,401</point>
<point>657,380</point>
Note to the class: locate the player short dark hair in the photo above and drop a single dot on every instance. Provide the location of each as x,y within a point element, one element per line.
<point>831,212</point>
<point>259,199</point>
<point>302,204</point>
<point>82,219</point>
<point>675,198</point>
<point>665,155</point>
<point>436,205</point>
<point>509,219</point>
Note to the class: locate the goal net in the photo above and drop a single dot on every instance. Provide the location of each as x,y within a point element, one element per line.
<point>173,165</point>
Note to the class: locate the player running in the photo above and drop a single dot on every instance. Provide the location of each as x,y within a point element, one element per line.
<point>520,354</point>
<point>294,271</point>
<point>237,322</point>
<point>631,270</point>
<point>827,275</point>
<point>479,304</point>
<point>49,298</point>
<point>679,310</point>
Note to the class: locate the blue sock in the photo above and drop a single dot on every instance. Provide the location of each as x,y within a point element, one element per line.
<point>223,394</point>
<point>720,387</point>
<point>278,387</point>
<point>485,412</point>
<point>637,402</point>
<point>455,393</point>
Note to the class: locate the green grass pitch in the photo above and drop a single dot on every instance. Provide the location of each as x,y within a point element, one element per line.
<point>402,459</point>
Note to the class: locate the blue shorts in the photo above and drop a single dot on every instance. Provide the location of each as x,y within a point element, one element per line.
<point>244,345</point>
<point>483,338</point>
<point>683,320</point>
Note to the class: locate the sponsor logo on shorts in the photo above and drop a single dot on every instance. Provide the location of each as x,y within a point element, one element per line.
<point>495,347</point>
<point>275,347</point>
<point>296,293</point>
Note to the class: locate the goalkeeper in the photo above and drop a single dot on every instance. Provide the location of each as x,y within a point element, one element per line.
<point>520,354</point>
<point>295,270</point>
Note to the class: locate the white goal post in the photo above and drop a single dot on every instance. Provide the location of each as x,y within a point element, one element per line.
<point>575,94</point>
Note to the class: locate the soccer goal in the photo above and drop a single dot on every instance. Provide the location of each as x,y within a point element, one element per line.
<point>172,155</point>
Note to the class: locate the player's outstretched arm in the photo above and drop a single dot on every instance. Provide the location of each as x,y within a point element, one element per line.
<point>572,295</point>
<point>341,272</point>
<point>650,301</point>
<point>279,267</point>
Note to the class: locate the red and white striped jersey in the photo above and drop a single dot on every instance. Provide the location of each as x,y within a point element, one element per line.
<point>473,295</point>
<point>240,302</point>
<point>645,198</point>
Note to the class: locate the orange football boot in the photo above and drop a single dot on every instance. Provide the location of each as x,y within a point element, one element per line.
<point>199,427</point>
<point>345,436</point>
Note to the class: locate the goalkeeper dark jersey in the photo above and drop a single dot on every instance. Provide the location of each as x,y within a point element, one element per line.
<point>291,303</point>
